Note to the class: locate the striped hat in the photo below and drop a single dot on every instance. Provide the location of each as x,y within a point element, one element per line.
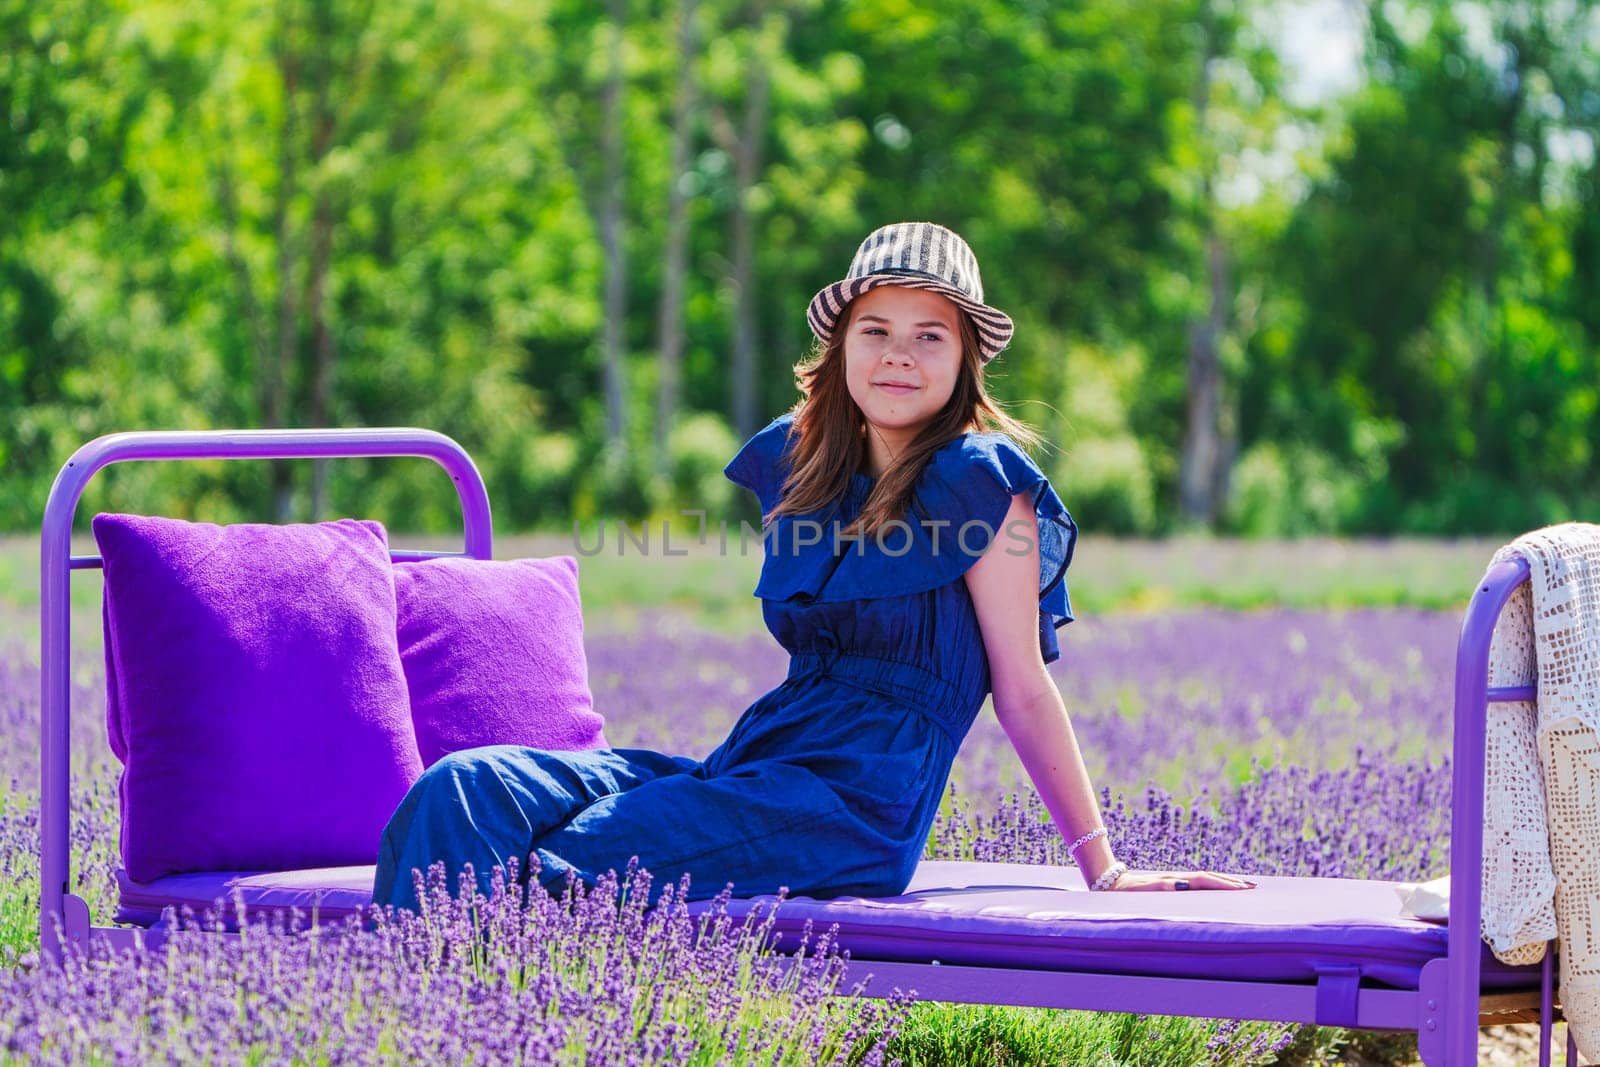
<point>916,255</point>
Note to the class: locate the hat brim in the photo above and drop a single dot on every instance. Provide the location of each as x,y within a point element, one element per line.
<point>994,327</point>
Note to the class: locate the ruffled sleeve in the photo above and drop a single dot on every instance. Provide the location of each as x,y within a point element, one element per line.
<point>971,484</point>
<point>978,480</point>
<point>959,506</point>
<point>762,464</point>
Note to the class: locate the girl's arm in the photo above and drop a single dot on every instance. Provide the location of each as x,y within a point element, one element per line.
<point>1004,585</point>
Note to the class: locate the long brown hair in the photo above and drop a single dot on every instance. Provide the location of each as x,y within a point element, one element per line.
<point>829,433</point>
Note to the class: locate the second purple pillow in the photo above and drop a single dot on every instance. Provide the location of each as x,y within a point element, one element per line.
<point>493,654</point>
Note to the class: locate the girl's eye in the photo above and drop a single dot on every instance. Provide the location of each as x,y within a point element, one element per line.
<point>933,337</point>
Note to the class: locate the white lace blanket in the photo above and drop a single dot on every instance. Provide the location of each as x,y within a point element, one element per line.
<point>1541,832</point>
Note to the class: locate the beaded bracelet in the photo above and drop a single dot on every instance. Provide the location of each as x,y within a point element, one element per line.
<point>1072,849</point>
<point>1109,878</point>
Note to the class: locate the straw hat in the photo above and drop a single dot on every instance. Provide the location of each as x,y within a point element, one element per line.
<point>915,255</point>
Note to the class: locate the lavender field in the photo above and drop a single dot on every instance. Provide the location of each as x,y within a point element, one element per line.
<point>1279,740</point>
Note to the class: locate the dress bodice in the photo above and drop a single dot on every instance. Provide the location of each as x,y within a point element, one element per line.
<point>897,599</point>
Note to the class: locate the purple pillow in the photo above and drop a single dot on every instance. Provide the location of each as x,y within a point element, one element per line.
<point>254,693</point>
<point>493,654</point>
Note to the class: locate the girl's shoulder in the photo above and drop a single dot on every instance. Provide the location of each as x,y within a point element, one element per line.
<point>973,479</point>
<point>762,463</point>
<point>968,488</point>
<point>985,457</point>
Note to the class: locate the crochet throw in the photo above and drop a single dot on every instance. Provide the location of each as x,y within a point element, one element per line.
<point>1541,858</point>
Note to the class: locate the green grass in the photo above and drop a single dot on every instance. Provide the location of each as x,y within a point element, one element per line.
<point>19,890</point>
<point>19,918</point>
<point>1330,1045</point>
<point>946,1035</point>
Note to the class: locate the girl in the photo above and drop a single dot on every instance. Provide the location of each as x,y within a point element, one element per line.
<point>914,563</point>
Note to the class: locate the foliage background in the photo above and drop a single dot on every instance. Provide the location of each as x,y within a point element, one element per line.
<point>580,237</point>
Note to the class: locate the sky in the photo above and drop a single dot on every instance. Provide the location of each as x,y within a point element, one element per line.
<point>1319,43</point>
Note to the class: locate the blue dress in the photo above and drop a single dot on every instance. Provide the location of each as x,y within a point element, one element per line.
<point>828,784</point>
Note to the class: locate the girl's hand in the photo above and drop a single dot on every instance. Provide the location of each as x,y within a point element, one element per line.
<point>1147,881</point>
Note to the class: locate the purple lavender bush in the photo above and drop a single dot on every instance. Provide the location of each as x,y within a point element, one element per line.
<point>1377,819</point>
<point>590,977</point>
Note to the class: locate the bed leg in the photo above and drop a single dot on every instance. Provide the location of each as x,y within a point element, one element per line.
<point>1446,1036</point>
<point>75,920</point>
<point>1572,1048</point>
<point>1546,1009</point>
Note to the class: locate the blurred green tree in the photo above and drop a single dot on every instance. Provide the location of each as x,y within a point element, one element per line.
<point>560,230</point>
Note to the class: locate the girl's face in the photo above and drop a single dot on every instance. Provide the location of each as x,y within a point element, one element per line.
<point>902,355</point>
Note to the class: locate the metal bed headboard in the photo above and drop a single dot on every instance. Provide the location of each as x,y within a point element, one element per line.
<point>56,564</point>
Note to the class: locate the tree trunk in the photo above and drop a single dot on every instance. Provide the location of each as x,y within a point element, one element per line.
<point>1584,243</point>
<point>272,384</point>
<point>1203,467</point>
<point>613,334</point>
<point>675,267</point>
<point>322,349</point>
<point>1203,476</point>
<point>261,349</point>
<point>747,164</point>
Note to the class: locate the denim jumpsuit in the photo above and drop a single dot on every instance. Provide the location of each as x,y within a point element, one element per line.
<point>828,784</point>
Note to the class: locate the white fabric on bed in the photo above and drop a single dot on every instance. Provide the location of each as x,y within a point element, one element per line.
<point>1541,859</point>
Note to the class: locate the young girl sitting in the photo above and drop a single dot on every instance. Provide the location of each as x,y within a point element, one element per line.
<point>915,562</point>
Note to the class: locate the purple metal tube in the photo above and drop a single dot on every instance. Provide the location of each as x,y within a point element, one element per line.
<point>1460,1021</point>
<point>56,563</point>
<point>1546,1003</point>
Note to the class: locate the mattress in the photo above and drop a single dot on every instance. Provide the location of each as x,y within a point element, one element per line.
<point>1038,917</point>
<point>335,893</point>
<point>998,915</point>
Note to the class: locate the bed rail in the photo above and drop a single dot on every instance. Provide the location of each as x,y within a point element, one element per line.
<point>1449,1033</point>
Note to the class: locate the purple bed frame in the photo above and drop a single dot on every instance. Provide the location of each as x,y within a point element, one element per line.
<point>1310,950</point>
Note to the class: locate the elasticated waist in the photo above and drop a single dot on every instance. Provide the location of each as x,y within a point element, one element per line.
<point>920,688</point>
